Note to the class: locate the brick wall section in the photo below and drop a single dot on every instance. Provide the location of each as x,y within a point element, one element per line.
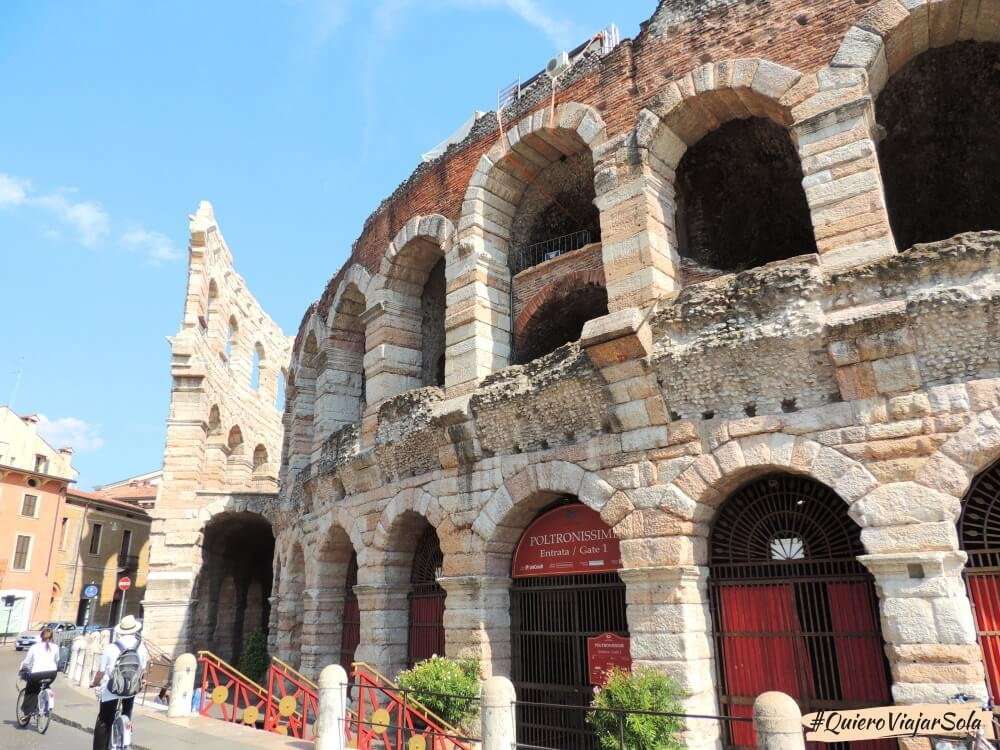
<point>531,281</point>
<point>625,82</point>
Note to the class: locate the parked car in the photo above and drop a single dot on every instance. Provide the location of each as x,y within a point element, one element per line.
<point>29,638</point>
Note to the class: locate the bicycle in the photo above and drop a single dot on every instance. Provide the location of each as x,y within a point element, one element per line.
<point>43,713</point>
<point>120,737</point>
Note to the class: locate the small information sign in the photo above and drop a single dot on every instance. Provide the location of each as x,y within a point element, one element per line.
<point>606,652</point>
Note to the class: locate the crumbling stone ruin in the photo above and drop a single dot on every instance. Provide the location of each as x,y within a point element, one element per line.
<point>771,366</point>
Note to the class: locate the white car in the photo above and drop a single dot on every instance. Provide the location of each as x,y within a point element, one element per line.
<point>29,638</point>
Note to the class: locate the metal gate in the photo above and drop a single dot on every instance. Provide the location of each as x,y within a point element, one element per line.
<point>551,619</point>
<point>792,608</point>
<point>979,530</point>
<point>426,600</point>
<point>350,634</point>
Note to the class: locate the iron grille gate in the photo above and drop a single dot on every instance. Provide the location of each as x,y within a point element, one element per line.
<point>426,601</point>
<point>551,619</point>
<point>350,635</point>
<point>979,530</point>
<point>792,609</point>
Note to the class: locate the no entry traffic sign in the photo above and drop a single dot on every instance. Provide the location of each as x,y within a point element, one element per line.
<point>124,583</point>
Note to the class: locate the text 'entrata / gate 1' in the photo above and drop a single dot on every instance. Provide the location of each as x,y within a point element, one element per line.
<point>567,540</point>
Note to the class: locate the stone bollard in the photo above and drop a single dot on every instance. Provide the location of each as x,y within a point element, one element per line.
<point>182,685</point>
<point>332,713</point>
<point>499,726</point>
<point>76,654</point>
<point>778,722</point>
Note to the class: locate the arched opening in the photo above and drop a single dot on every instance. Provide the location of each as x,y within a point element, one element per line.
<point>792,608</point>
<point>559,319</point>
<point>979,532</point>
<point>232,333</point>
<point>330,574</point>
<point>233,584</point>
<point>235,441</point>
<point>940,155</point>
<point>740,201</point>
<point>564,595</point>
<point>432,333</point>
<point>279,390</point>
<point>258,359</point>
<point>260,464</point>
<point>426,600</point>
<point>214,421</point>
<point>347,341</point>
<point>211,307</point>
<point>350,635</point>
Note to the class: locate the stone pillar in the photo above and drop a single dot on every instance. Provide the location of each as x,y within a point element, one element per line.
<point>77,653</point>
<point>670,626</point>
<point>322,625</point>
<point>182,685</point>
<point>777,721</point>
<point>635,195</point>
<point>332,710</point>
<point>477,620</point>
<point>385,619</point>
<point>499,722</point>
<point>927,625</point>
<point>835,135</point>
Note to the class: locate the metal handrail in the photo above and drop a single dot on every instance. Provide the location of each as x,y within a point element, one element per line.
<point>295,673</point>
<point>227,667</point>
<point>538,252</point>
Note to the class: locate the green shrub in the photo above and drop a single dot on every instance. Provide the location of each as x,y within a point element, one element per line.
<point>643,690</point>
<point>448,687</point>
<point>254,660</point>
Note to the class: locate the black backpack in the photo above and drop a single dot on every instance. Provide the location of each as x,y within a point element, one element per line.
<point>125,677</point>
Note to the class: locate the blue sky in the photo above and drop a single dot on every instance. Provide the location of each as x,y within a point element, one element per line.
<point>294,117</point>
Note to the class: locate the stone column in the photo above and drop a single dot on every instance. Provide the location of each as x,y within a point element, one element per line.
<point>182,685</point>
<point>927,624</point>
<point>670,627</point>
<point>777,721</point>
<point>385,619</point>
<point>322,625</point>
<point>477,620</point>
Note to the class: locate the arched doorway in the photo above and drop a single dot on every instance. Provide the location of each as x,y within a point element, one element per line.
<point>979,531</point>
<point>426,600</point>
<point>350,634</point>
<point>793,609</point>
<point>565,589</point>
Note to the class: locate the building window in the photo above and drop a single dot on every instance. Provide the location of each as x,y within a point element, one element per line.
<point>63,532</point>
<point>22,552</point>
<point>41,464</point>
<point>126,542</point>
<point>29,506</point>
<point>95,539</point>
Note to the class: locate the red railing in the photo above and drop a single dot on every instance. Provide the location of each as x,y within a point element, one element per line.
<point>293,702</point>
<point>391,716</point>
<point>228,694</point>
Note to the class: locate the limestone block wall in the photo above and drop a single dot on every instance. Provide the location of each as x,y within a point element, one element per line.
<point>229,361</point>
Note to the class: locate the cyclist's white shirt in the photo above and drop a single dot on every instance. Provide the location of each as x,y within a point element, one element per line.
<point>41,659</point>
<point>110,656</point>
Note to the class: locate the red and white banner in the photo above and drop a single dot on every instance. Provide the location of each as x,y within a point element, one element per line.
<point>567,540</point>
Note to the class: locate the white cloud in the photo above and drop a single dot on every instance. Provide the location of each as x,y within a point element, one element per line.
<point>13,190</point>
<point>529,11</point>
<point>81,436</point>
<point>156,246</point>
<point>88,219</point>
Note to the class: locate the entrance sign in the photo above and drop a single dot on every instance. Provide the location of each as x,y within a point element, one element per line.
<point>570,539</point>
<point>124,583</point>
<point>91,591</point>
<point>605,653</point>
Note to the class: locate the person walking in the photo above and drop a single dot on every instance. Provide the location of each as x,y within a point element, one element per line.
<point>123,663</point>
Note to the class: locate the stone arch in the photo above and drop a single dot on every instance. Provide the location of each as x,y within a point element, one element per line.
<point>557,313</point>
<point>405,336</point>
<point>301,396</point>
<point>258,367</point>
<point>731,115</point>
<point>328,560</point>
<point>952,467</point>
<point>234,441</point>
<point>341,387</point>
<point>515,504</point>
<point>479,335</point>
<point>211,319</point>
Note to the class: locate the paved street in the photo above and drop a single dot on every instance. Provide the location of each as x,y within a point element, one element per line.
<point>14,738</point>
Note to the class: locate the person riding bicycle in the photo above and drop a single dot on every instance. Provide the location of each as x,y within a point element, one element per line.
<point>123,664</point>
<point>40,664</point>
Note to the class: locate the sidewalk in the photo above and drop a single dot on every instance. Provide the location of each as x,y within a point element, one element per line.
<point>77,707</point>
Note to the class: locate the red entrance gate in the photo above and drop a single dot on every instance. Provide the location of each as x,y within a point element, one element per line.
<point>979,530</point>
<point>793,609</point>
<point>426,601</point>
<point>350,635</point>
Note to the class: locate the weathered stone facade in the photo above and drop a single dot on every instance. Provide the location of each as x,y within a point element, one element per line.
<point>868,367</point>
<point>220,464</point>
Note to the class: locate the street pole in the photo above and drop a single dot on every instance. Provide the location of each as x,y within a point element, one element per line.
<point>7,626</point>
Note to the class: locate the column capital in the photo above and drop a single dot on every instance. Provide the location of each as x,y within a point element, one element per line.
<point>933,563</point>
<point>667,574</point>
<point>474,584</point>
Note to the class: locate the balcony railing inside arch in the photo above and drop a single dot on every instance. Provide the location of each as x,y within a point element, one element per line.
<point>531,255</point>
